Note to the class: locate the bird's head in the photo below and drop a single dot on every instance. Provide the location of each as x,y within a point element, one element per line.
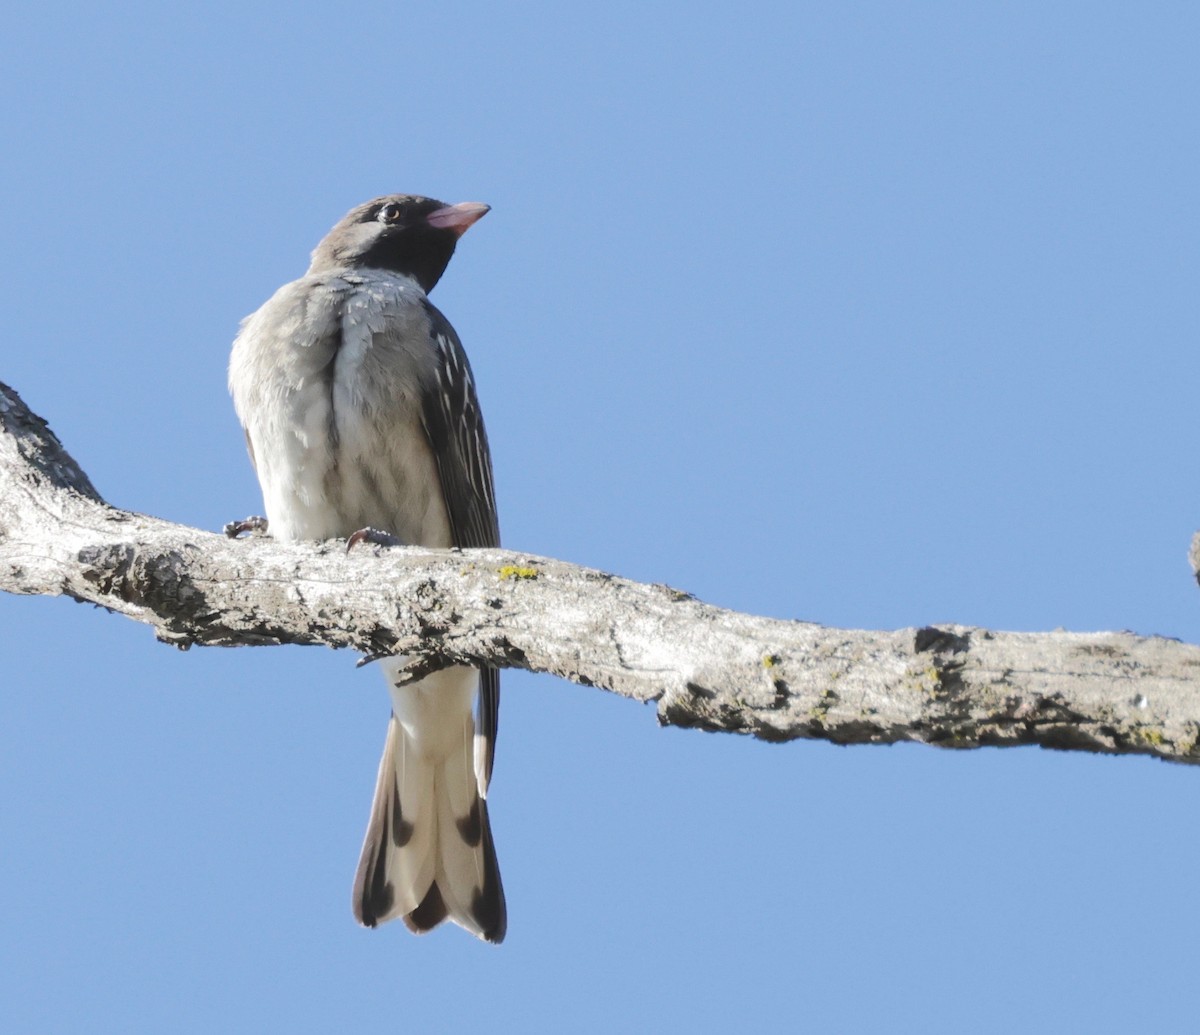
<point>402,233</point>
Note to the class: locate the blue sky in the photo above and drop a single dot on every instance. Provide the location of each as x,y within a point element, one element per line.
<point>870,314</point>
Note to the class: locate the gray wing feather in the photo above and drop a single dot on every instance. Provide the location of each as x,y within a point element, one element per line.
<point>454,425</point>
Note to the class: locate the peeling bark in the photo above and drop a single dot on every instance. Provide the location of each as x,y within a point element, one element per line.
<point>707,668</point>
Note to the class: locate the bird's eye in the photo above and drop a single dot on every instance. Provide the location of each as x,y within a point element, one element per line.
<point>390,213</point>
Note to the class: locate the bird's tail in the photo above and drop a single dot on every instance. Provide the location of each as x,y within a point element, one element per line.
<point>428,854</point>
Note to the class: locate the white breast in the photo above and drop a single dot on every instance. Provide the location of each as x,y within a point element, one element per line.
<point>327,378</point>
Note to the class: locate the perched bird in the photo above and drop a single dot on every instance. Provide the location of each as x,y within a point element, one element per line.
<point>360,412</point>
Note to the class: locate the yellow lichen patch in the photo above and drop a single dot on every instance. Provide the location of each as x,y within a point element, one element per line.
<point>1150,736</point>
<point>516,571</point>
<point>819,712</point>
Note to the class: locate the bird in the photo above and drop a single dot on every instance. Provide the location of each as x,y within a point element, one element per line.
<point>360,413</point>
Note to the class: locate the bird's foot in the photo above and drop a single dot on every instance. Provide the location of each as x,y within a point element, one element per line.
<point>255,525</point>
<point>372,535</point>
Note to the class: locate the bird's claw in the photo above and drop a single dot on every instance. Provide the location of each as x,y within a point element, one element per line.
<point>257,525</point>
<point>374,536</point>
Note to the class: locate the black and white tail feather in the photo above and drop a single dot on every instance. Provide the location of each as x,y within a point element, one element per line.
<point>428,853</point>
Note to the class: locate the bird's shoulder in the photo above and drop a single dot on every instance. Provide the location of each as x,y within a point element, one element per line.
<point>336,290</point>
<point>322,306</point>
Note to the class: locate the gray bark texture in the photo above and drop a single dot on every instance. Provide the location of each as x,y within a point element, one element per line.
<point>953,686</point>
